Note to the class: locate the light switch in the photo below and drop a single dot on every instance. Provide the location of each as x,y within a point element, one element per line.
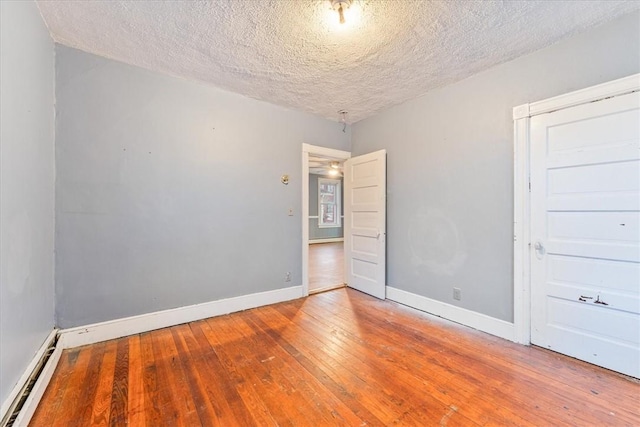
<point>290,211</point>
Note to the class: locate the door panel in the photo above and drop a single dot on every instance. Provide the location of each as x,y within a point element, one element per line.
<point>585,231</point>
<point>579,178</point>
<point>365,223</point>
<point>604,226</point>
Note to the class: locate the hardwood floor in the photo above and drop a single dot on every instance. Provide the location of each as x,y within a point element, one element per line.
<point>326,265</point>
<point>336,358</point>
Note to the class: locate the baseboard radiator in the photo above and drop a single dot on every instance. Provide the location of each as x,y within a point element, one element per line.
<point>21,398</point>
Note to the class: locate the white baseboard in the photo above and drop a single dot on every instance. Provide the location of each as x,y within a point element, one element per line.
<point>26,374</point>
<point>118,328</point>
<point>474,320</point>
<point>328,240</point>
<point>31,404</point>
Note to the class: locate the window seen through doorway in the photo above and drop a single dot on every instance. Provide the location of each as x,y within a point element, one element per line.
<point>328,203</point>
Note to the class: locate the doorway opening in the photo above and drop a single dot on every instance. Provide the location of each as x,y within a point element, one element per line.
<point>322,219</point>
<point>326,224</point>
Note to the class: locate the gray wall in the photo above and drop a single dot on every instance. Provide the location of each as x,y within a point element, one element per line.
<point>316,232</point>
<point>168,192</point>
<point>450,166</point>
<point>26,188</point>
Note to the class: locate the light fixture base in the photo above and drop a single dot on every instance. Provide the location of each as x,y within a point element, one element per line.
<point>344,3</point>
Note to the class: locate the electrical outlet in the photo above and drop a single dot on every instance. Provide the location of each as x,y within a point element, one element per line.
<point>287,277</point>
<point>457,294</point>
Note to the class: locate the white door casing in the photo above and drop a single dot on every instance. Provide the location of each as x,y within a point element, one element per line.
<point>365,223</point>
<point>585,232</point>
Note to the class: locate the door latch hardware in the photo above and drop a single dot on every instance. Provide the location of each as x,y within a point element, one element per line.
<point>583,298</point>
<point>539,248</point>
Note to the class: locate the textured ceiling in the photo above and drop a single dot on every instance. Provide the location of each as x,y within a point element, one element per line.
<point>295,54</point>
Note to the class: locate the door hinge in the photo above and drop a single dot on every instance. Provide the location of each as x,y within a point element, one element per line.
<point>529,186</point>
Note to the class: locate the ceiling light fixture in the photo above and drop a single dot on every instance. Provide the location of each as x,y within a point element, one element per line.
<point>334,165</point>
<point>341,6</point>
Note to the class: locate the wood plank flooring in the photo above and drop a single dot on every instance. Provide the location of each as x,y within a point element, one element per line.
<point>335,358</point>
<point>326,265</point>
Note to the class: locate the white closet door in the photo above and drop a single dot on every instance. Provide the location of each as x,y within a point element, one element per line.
<point>585,232</point>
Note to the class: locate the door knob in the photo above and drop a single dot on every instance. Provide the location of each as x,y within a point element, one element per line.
<point>539,247</point>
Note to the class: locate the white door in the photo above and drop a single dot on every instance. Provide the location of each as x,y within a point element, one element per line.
<point>365,179</point>
<point>585,233</point>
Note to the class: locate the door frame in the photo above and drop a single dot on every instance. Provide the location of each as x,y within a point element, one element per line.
<point>522,197</point>
<point>329,153</point>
